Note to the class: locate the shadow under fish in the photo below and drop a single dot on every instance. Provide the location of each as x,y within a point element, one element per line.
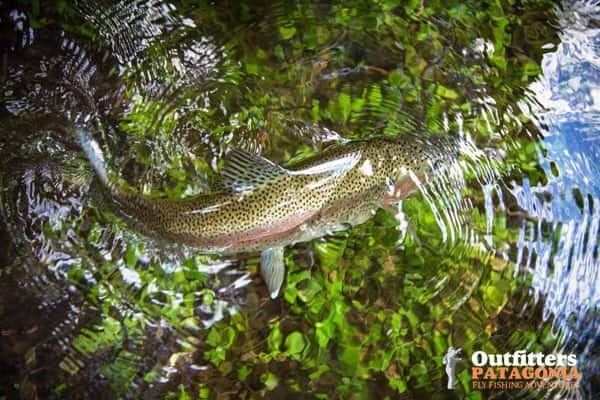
<point>259,206</point>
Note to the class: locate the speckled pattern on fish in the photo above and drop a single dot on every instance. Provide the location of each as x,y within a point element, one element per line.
<point>281,200</point>
<point>261,206</point>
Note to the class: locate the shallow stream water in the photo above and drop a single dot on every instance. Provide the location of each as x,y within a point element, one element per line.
<point>497,252</point>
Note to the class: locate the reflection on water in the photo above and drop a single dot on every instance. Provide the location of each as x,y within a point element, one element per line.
<point>559,239</point>
<point>498,251</point>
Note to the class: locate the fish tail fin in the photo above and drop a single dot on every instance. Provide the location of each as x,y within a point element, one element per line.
<point>94,154</point>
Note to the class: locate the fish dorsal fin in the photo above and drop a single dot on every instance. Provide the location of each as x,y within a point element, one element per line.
<point>245,171</point>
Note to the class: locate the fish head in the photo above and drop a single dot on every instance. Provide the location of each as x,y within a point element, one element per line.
<point>407,161</point>
<point>418,155</point>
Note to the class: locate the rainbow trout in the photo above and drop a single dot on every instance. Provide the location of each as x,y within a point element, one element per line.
<point>263,207</point>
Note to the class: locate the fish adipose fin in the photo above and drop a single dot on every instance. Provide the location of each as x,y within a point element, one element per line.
<point>272,269</point>
<point>245,171</point>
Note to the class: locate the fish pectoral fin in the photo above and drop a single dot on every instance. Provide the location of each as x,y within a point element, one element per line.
<point>401,189</point>
<point>272,269</point>
<point>245,171</point>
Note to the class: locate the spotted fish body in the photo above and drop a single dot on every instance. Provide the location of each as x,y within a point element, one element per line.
<point>261,206</point>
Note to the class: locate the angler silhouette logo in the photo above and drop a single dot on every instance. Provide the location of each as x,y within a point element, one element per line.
<point>449,360</point>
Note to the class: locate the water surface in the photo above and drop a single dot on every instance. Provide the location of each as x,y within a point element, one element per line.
<point>499,252</point>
